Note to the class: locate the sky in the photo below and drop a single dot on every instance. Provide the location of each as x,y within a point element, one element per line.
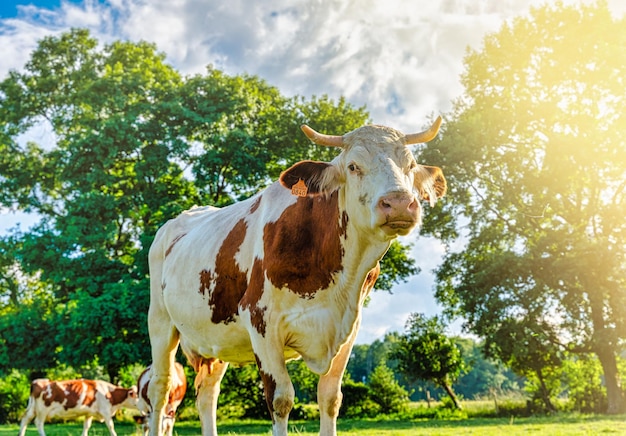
<point>402,59</point>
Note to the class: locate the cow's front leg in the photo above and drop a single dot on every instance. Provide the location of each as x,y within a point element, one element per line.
<point>279,392</point>
<point>329,394</point>
<point>208,378</point>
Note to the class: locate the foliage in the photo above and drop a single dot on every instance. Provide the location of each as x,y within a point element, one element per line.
<point>386,392</point>
<point>484,376</point>
<point>396,266</point>
<point>425,352</point>
<point>533,153</point>
<point>304,381</point>
<point>357,401</point>
<point>583,377</point>
<point>242,394</point>
<point>14,392</point>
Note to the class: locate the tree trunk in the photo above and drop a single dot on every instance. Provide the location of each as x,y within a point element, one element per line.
<point>495,401</point>
<point>545,393</point>
<point>428,397</point>
<point>614,394</point>
<point>451,394</point>
<point>602,344</point>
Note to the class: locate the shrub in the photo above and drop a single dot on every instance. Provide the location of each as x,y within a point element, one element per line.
<point>386,392</point>
<point>583,376</point>
<point>14,392</point>
<point>357,402</point>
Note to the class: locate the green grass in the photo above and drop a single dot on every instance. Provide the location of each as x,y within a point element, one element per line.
<point>558,425</point>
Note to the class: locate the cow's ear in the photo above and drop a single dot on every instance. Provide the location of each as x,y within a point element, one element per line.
<point>430,183</point>
<point>317,177</point>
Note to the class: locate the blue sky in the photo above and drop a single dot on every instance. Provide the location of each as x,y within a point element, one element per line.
<point>9,8</point>
<point>400,60</point>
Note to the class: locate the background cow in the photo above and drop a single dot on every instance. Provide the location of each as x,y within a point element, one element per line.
<point>70,399</point>
<point>176,395</point>
<point>284,274</point>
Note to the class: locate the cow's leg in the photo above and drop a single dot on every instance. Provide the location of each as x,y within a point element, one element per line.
<point>164,340</point>
<point>87,425</point>
<point>209,374</point>
<point>40,419</point>
<point>28,416</point>
<point>329,388</point>
<point>168,426</point>
<point>279,391</point>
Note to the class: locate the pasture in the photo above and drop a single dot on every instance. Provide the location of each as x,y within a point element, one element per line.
<point>564,424</point>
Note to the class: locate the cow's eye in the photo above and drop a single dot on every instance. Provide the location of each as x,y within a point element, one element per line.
<point>353,168</point>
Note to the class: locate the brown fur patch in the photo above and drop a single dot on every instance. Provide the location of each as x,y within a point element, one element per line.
<point>90,394</point>
<point>303,248</point>
<point>143,390</point>
<point>174,241</point>
<point>252,296</point>
<point>371,278</point>
<point>118,395</point>
<point>37,387</point>
<point>269,387</point>
<point>69,392</point>
<point>255,205</point>
<point>206,277</point>
<point>230,281</point>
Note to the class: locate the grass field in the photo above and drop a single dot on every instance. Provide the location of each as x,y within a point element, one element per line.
<point>561,424</point>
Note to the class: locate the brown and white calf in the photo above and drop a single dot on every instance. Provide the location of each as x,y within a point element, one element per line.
<point>284,274</point>
<point>71,399</point>
<point>176,396</point>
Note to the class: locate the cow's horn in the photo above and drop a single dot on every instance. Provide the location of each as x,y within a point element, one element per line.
<point>426,135</point>
<point>321,139</point>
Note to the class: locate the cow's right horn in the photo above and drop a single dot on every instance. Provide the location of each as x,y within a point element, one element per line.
<point>426,135</point>
<point>321,139</point>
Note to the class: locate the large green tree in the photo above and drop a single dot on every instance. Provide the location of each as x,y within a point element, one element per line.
<point>535,155</point>
<point>132,144</point>
<point>101,189</point>
<point>425,352</point>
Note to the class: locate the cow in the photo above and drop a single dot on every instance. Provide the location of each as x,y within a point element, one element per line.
<point>176,395</point>
<point>70,399</point>
<point>284,274</point>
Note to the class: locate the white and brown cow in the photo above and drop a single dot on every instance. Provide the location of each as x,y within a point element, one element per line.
<point>71,399</point>
<point>176,396</point>
<point>284,274</point>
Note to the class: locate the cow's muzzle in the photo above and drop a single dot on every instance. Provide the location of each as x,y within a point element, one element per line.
<point>399,213</point>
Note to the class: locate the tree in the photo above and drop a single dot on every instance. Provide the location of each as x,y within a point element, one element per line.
<point>424,352</point>
<point>133,145</point>
<point>386,392</point>
<point>101,190</point>
<point>534,154</point>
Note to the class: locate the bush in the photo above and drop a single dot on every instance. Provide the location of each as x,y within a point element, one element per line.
<point>583,376</point>
<point>357,402</point>
<point>386,392</point>
<point>14,392</point>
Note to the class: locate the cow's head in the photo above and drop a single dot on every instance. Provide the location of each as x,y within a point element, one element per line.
<point>383,184</point>
<point>132,397</point>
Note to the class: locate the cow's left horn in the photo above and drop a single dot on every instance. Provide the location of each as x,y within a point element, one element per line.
<point>321,139</point>
<point>426,135</point>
